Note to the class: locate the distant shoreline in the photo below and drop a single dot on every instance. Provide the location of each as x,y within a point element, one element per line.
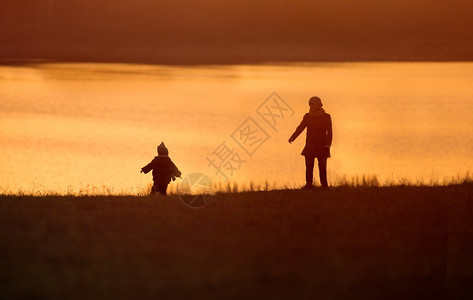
<point>226,54</point>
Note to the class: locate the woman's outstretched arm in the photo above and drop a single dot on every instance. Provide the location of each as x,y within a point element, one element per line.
<point>299,130</point>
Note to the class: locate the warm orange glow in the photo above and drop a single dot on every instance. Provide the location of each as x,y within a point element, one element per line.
<point>77,124</point>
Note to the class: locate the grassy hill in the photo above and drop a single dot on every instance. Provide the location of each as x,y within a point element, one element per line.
<point>346,242</point>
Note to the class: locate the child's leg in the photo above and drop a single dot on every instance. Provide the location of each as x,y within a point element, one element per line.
<point>162,189</point>
<point>154,189</point>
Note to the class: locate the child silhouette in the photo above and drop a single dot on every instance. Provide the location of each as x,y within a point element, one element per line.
<point>163,170</point>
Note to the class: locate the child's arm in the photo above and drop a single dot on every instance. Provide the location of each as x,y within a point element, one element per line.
<point>175,171</point>
<point>147,168</point>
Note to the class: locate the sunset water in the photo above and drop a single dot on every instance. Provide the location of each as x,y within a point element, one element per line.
<point>77,126</point>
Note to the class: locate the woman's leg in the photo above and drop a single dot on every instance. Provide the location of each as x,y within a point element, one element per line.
<point>323,171</point>
<point>309,170</point>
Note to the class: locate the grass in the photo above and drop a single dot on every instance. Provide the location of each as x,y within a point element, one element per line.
<point>370,242</point>
<point>362,181</point>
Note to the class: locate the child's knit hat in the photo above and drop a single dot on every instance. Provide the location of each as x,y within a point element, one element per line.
<point>162,150</point>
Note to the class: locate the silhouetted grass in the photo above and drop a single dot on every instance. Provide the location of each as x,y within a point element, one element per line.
<point>351,242</point>
<point>234,187</point>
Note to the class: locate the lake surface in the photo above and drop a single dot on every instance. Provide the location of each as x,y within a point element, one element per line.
<point>80,126</point>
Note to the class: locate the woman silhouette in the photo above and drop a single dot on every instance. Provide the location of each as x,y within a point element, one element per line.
<point>318,140</point>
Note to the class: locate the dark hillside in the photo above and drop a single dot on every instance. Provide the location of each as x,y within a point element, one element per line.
<point>357,243</point>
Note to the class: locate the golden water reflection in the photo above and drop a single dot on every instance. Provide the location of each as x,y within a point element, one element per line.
<point>73,125</point>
